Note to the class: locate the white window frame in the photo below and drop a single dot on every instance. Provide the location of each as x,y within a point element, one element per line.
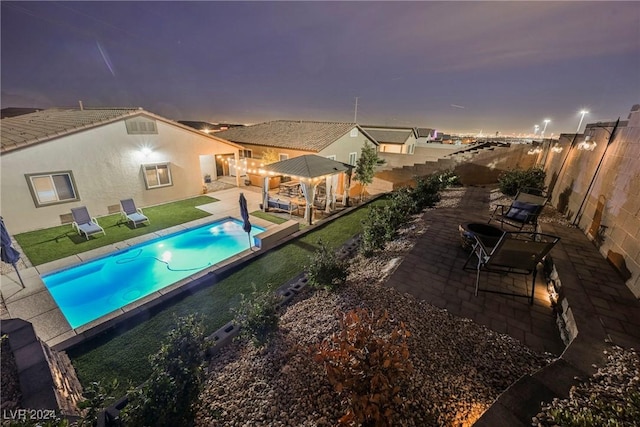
<point>50,175</point>
<point>155,166</point>
<point>353,158</point>
<point>283,156</point>
<point>353,133</point>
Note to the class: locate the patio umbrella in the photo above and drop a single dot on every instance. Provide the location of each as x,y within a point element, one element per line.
<point>8,253</point>
<point>244,212</point>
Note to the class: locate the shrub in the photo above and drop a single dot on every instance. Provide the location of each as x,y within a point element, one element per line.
<point>448,178</point>
<point>325,269</point>
<point>96,397</point>
<point>427,190</point>
<point>170,395</point>
<point>512,181</point>
<point>377,229</point>
<point>403,204</point>
<point>367,364</point>
<point>257,316</point>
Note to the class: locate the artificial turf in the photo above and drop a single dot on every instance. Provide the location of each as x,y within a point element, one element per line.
<point>50,244</point>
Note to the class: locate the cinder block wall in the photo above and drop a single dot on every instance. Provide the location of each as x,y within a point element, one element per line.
<point>607,207</point>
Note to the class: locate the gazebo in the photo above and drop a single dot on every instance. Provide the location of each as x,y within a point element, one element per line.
<point>310,170</point>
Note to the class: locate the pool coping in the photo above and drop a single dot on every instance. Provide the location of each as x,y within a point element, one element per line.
<point>35,304</point>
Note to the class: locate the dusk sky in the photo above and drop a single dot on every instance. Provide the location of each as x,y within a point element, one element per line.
<point>453,66</point>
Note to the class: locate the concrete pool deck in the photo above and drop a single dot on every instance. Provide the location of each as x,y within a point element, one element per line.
<point>35,304</point>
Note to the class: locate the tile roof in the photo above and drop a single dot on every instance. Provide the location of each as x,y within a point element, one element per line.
<point>307,166</point>
<point>297,135</point>
<point>20,131</point>
<point>425,132</point>
<point>389,136</point>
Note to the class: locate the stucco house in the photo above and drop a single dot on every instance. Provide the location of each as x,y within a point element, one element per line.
<point>57,159</point>
<point>291,138</point>
<point>391,139</point>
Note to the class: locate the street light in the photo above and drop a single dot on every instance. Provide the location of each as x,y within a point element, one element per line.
<point>546,122</point>
<point>583,112</point>
<point>535,129</point>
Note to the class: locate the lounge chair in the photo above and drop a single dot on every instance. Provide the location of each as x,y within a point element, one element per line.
<point>523,211</point>
<point>517,252</point>
<point>133,214</point>
<point>85,224</point>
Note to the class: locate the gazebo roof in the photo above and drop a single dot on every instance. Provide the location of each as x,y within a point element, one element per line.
<point>307,166</point>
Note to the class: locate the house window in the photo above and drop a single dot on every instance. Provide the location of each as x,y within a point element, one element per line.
<point>354,133</point>
<point>52,188</point>
<point>412,149</point>
<point>247,154</point>
<point>283,156</point>
<point>158,175</point>
<point>353,157</point>
<point>141,125</point>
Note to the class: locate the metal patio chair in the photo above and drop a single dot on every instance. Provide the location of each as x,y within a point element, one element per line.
<point>516,252</point>
<point>523,211</point>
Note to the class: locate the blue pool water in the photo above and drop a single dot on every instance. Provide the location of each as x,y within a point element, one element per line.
<point>87,291</point>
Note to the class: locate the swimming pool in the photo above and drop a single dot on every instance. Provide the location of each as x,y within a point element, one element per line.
<point>87,291</point>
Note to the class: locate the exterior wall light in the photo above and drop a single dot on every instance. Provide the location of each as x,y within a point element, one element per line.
<point>146,151</point>
<point>556,148</point>
<point>535,151</point>
<point>586,145</point>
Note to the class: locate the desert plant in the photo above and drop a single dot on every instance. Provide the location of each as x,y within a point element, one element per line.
<point>325,270</point>
<point>257,316</point>
<point>510,182</point>
<point>367,362</point>
<point>169,397</point>
<point>97,396</point>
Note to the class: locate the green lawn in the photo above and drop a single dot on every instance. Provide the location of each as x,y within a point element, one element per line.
<point>46,245</point>
<point>123,354</point>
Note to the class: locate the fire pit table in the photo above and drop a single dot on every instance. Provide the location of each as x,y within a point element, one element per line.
<point>488,234</point>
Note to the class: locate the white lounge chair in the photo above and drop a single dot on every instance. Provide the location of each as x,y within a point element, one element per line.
<point>83,223</point>
<point>131,213</point>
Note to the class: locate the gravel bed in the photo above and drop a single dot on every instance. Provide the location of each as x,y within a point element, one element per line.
<point>609,387</point>
<point>460,367</point>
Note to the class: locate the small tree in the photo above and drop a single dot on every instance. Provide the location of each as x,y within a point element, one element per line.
<point>366,166</point>
<point>270,156</point>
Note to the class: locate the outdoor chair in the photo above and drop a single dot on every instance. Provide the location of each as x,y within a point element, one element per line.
<point>523,211</point>
<point>83,223</point>
<point>131,213</point>
<point>517,252</point>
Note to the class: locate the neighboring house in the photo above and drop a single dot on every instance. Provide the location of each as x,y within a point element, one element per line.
<point>425,135</point>
<point>393,139</point>
<point>58,159</point>
<point>207,127</point>
<point>338,141</point>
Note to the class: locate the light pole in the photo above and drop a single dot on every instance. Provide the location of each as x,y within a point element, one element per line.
<point>582,113</point>
<point>546,122</point>
<point>535,129</point>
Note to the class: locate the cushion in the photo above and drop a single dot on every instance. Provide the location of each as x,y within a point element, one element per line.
<point>520,211</point>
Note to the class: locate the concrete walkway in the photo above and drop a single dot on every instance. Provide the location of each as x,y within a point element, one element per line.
<point>597,302</point>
